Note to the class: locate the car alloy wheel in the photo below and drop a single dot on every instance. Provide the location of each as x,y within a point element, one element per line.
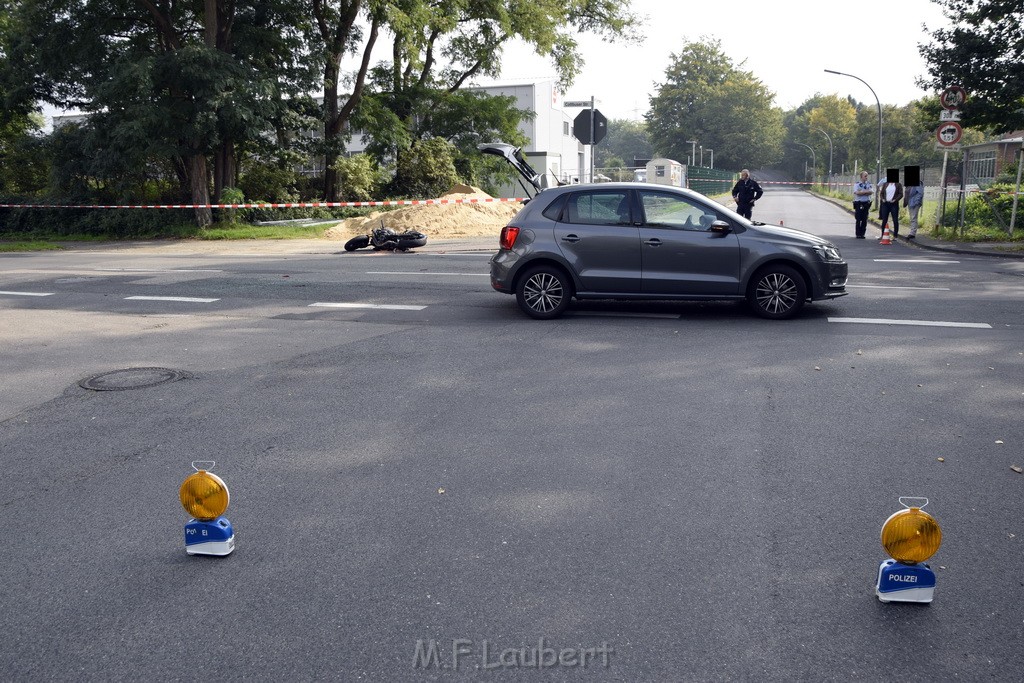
<point>777,292</point>
<point>544,292</point>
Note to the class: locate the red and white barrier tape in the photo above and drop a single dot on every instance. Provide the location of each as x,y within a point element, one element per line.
<point>308,205</point>
<point>266,205</point>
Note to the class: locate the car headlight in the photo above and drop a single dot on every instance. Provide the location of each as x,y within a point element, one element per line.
<point>828,252</point>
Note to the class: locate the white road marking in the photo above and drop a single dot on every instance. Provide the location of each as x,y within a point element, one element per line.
<point>27,293</point>
<point>158,270</point>
<point>911,260</point>
<point>922,323</point>
<point>399,272</point>
<point>387,307</point>
<point>187,299</point>
<point>936,289</point>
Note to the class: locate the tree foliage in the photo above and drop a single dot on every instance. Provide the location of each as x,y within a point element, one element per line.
<point>626,140</point>
<point>437,48</point>
<point>184,82</point>
<point>983,51</point>
<point>705,97</point>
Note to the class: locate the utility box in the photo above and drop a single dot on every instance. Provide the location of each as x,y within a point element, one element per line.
<point>666,172</point>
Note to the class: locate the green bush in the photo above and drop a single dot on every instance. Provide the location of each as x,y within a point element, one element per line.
<point>985,213</point>
<point>268,183</point>
<point>426,170</point>
<point>359,179</point>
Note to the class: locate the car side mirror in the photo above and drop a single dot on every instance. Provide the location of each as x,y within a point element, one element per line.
<point>720,228</point>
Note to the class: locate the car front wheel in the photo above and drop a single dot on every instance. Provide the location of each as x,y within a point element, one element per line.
<point>544,292</point>
<point>777,292</point>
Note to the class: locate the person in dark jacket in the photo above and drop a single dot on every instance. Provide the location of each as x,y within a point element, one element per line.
<point>745,192</point>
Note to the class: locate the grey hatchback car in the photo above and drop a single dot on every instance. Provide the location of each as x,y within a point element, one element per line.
<point>644,241</point>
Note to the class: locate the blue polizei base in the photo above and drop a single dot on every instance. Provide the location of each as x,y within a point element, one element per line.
<point>898,582</point>
<point>209,538</point>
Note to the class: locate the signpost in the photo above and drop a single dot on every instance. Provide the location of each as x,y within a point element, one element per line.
<point>589,127</point>
<point>948,134</point>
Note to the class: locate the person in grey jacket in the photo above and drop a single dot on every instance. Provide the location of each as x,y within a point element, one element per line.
<point>913,198</point>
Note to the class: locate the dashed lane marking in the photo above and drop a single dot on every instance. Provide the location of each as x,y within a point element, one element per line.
<point>27,293</point>
<point>920,323</point>
<point>186,299</point>
<point>386,307</point>
<point>911,260</point>
<point>932,289</point>
<point>158,270</point>
<point>414,272</point>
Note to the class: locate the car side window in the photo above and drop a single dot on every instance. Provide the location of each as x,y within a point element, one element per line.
<point>608,207</point>
<point>664,210</point>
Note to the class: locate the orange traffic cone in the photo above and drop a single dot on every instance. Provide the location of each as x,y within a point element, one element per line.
<point>886,235</point>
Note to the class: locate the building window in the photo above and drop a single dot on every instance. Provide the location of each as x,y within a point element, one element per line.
<point>983,166</point>
<point>565,128</point>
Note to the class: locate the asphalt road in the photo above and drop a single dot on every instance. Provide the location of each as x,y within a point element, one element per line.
<point>436,487</point>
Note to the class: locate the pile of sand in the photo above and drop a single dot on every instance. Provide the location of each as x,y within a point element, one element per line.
<point>484,219</point>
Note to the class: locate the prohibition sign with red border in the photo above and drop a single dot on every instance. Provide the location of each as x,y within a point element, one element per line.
<point>949,133</point>
<point>953,97</point>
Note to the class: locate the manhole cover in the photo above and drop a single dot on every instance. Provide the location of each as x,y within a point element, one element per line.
<point>131,378</point>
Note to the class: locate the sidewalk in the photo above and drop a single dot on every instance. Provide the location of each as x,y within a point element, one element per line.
<point>922,240</point>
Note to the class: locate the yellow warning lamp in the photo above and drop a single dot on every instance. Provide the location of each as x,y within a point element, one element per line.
<point>911,536</point>
<point>205,497</point>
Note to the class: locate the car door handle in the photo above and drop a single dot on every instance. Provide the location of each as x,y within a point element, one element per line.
<point>653,242</point>
<point>571,238</point>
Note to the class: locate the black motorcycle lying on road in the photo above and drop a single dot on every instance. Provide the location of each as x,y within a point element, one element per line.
<point>386,239</point>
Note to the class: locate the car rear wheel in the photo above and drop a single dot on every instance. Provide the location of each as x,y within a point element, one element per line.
<point>544,292</point>
<point>777,292</point>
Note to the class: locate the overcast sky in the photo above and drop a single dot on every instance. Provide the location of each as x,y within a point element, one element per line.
<point>787,44</point>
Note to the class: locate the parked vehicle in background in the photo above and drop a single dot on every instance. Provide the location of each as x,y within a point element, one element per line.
<point>641,241</point>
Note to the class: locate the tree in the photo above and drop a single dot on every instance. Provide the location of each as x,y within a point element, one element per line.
<point>162,80</point>
<point>983,52</point>
<point>708,99</point>
<point>336,33</point>
<point>626,140</point>
<point>438,48</point>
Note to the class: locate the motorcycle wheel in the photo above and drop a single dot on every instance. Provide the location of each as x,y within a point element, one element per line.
<point>357,243</point>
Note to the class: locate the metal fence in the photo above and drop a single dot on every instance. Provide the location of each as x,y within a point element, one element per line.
<point>709,181</point>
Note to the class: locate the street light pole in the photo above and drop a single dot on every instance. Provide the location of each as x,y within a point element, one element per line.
<point>814,161</point>
<point>829,155</point>
<point>693,151</point>
<point>878,161</point>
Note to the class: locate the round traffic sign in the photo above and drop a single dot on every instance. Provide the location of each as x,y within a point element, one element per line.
<point>949,133</point>
<point>953,97</point>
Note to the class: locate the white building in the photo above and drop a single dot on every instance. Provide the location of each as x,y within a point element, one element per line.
<point>551,147</point>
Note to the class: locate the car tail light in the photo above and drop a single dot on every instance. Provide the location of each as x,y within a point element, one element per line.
<point>508,236</point>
